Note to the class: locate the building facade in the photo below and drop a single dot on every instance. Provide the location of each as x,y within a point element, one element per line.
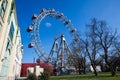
<point>42,67</point>
<point>10,41</point>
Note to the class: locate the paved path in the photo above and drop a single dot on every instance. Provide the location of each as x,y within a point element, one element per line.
<point>21,78</point>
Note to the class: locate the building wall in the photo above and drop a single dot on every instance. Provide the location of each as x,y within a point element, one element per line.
<point>24,68</point>
<point>4,30</point>
<point>98,69</point>
<point>10,43</point>
<point>4,54</point>
<point>37,70</point>
<point>18,55</point>
<point>45,66</point>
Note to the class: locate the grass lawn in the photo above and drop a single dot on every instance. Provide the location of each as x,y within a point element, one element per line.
<point>101,76</point>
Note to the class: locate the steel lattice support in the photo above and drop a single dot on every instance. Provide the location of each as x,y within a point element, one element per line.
<point>61,49</point>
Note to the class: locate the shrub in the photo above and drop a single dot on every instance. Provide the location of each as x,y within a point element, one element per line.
<point>31,76</point>
<point>44,76</point>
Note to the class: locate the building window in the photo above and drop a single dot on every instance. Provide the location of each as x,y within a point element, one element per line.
<point>11,32</point>
<point>3,8</point>
<point>11,10</point>
<point>0,26</point>
<point>8,46</point>
<point>16,34</point>
<point>8,43</point>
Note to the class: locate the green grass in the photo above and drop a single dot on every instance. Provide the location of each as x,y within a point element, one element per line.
<point>101,76</point>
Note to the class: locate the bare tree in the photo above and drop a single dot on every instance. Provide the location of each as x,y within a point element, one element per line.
<point>106,40</point>
<point>79,63</point>
<point>91,46</point>
<point>78,59</point>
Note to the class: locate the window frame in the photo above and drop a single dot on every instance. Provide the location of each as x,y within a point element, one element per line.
<point>3,8</point>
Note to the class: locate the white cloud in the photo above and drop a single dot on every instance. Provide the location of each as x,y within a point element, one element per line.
<point>47,24</point>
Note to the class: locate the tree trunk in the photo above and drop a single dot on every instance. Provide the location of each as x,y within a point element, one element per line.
<point>113,70</point>
<point>113,73</point>
<point>112,67</point>
<point>84,70</point>
<point>84,67</point>
<point>94,68</point>
<point>75,69</point>
<point>79,71</point>
<point>95,72</point>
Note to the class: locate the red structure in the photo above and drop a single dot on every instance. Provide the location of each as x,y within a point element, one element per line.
<point>24,68</point>
<point>46,66</point>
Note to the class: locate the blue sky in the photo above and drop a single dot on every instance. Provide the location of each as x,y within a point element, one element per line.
<point>80,12</point>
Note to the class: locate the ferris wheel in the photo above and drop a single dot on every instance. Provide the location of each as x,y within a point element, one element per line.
<point>33,29</point>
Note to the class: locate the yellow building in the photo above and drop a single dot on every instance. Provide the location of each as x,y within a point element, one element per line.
<point>10,41</point>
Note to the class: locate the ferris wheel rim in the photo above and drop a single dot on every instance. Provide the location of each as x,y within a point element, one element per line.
<point>52,13</point>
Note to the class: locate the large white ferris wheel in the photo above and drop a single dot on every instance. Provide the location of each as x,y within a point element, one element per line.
<point>34,29</point>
